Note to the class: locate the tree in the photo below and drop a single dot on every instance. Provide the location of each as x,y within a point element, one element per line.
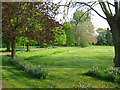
<point>6,42</point>
<point>30,19</point>
<point>83,28</point>
<point>79,17</point>
<point>85,34</point>
<point>108,37</point>
<point>101,40</point>
<point>70,39</point>
<point>111,16</point>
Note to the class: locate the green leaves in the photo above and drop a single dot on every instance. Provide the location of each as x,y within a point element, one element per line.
<point>12,20</point>
<point>3,7</point>
<point>80,16</point>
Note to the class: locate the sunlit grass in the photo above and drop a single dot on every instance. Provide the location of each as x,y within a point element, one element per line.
<point>66,67</point>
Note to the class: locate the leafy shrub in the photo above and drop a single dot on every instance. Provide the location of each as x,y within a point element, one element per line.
<point>111,73</point>
<point>36,71</point>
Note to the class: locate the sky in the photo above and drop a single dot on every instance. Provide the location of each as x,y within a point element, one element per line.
<point>97,21</point>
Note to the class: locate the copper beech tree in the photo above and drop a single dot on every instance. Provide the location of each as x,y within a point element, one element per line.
<point>112,16</point>
<point>32,19</point>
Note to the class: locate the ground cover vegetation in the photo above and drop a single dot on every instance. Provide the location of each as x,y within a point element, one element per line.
<point>66,67</point>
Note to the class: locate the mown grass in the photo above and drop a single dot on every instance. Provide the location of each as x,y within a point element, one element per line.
<point>66,67</point>
<point>19,48</point>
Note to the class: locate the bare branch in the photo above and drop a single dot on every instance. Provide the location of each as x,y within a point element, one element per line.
<point>111,4</point>
<point>109,8</point>
<point>91,8</point>
<point>116,6</point>
<point>102,3</point>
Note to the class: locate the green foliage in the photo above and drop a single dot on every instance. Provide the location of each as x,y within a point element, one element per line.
<point>69,33</point>
<point>36,71</point>
<point>110,74</point>
<point>22,40</point>
<point>108,37</point>
<point>84,34</point>
<point>60,36</point>
<point>79,17</point>
<point>83,29</point>
<point>84,42</point>
<point>104,37</point>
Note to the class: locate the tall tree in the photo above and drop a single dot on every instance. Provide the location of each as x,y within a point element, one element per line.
<point>79,17</point>
<point>85,33</point>
<point>108,37</point>
<point>70,38</point>
<point>101,40</point>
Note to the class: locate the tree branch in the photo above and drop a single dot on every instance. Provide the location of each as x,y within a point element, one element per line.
<point>116,6</point>
<point>91,8</point>
<point>119,5</point>
<point>109,8</point>
<point>102,3</point>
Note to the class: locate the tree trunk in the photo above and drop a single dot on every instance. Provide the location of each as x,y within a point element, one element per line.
<point>115,29</point>
<point>53,46</point>
<point>24,46</point>
<point>28,49</point>
<point>8,45</point>
<point>13,49</point>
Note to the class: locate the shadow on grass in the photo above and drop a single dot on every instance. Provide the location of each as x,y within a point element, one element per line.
<point>16,73</point>
<point>99,78</point>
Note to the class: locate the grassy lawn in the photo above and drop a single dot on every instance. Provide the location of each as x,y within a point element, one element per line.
<point>19,48</point>
<point>65,65</point>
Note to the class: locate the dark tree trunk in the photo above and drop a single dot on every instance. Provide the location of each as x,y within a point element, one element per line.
<point>115,29</point>
<point>24,46</point>
<point>8,45</point>
<point>28,49</point>
<point>13,48</point>
<point>53,46</point>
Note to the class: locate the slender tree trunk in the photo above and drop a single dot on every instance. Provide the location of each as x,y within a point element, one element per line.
<point>13,49</point>
<point>8,45</point>
<point>28,49</point>
<point>115,29</point>
<point>24,46</point>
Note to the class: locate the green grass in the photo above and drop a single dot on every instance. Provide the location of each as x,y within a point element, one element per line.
<point>18,48</point>
<point>66,67</point>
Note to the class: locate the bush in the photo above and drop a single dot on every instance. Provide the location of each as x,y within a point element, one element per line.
<point>36,71</point>
<point>111,74</point>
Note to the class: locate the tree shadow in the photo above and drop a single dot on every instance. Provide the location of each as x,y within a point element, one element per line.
<point>16,73</point>
<point>99,78</point>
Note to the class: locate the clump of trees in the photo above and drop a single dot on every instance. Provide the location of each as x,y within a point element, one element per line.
<point>104,37</point>
<point>34,20</point>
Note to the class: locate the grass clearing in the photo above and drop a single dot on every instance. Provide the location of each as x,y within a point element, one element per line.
<point>65,65</point>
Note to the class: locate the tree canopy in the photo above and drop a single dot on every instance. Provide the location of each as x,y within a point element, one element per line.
<point>34,20</point>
